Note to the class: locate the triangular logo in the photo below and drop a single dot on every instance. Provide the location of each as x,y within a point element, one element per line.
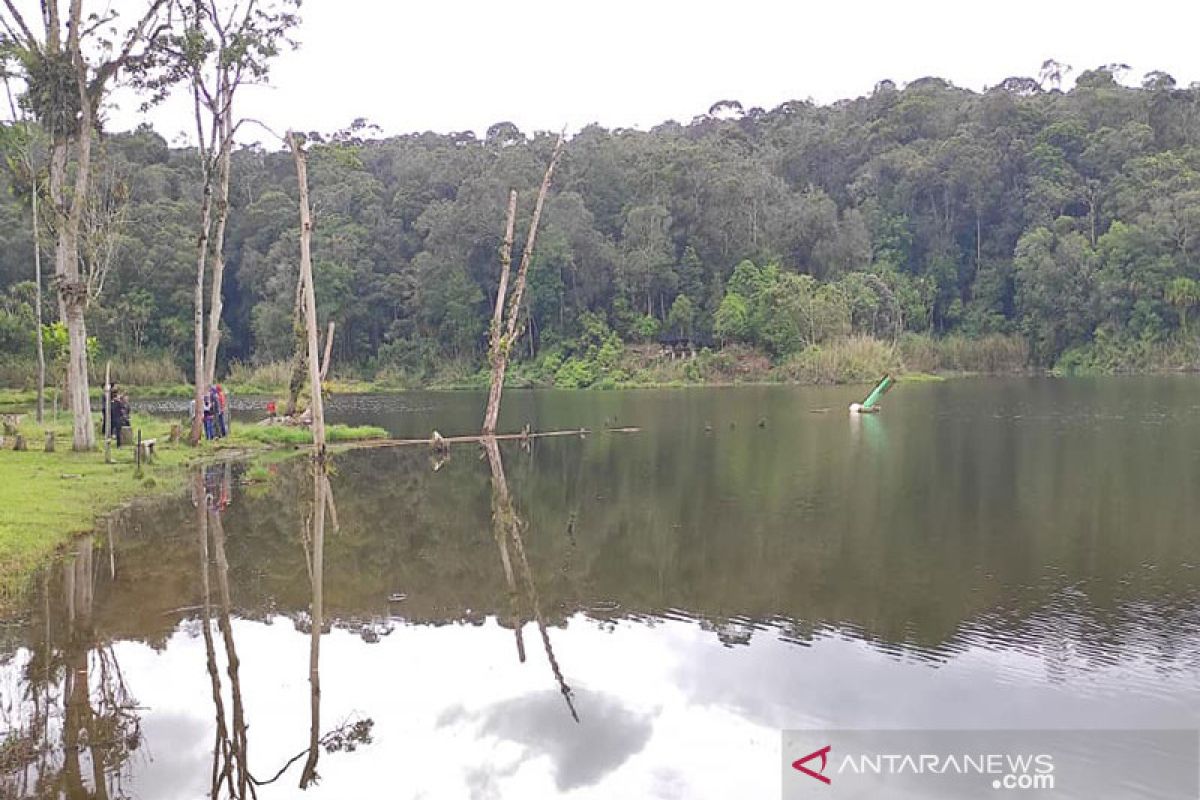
<point>823,754</point>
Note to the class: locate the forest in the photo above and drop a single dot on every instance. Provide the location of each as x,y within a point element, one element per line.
<point>1061,227</point>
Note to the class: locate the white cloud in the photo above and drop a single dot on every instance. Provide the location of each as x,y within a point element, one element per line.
<point>633,63</point>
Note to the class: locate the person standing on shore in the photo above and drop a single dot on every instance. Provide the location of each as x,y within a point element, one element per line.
<point>222,412</point>
<point>214,401</point>
<point>208,415</point>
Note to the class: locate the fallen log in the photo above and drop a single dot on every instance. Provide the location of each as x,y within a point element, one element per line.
<point>446,441</point>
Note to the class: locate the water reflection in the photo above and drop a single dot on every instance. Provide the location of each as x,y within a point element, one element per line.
<point>507,529</point>
<point>1013,558</point>
<point>211,493</point>
<point>73,725</point>
<point>231,776</point>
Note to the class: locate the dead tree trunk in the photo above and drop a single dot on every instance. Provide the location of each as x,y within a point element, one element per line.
<point>501,345</point>
<point>494,341</point>
<point>328,351</point>
<point>310,301</point>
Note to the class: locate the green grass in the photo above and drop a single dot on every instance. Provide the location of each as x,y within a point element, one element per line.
<point>49,498</point>
<point>288,435</point>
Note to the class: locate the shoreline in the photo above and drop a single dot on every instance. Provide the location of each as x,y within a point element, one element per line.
<point>22,400</point>
<point>51,499</point>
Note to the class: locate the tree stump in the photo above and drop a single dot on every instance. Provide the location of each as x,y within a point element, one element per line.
<point>176,434</point>
<point>49,441</point>
<point>19,443</point>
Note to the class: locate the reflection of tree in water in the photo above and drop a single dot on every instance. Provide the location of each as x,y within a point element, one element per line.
<point>231,775</point>
<point>507,528</point>
<point>230,746</point>
<point>77,726</point>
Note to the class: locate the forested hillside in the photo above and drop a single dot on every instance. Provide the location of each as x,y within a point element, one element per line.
<point>1070,219</point>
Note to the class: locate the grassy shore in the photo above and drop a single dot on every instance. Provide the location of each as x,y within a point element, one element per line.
<point>49,498</point>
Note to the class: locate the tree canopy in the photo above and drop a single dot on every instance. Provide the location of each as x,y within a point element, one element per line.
<point>1065,217</point>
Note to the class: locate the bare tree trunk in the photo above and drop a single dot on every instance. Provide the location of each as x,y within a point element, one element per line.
<point>328,351</point>
<point>37,277</point>
<point>494,340</point>
<point>198,373</point>
<point>73,290</point>
<point>310,301</point>
<point>502,345</point>
<point>216,305</point>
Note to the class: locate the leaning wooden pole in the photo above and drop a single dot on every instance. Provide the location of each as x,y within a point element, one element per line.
<point>310,301</point>
<point>503,344</point>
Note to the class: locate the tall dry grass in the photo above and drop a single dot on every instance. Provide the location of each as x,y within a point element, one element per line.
<point>139,370</point>
<point>994,353</point>
<point>855,359</point>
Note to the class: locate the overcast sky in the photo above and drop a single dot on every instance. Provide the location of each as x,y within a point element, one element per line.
<point>443,66</point>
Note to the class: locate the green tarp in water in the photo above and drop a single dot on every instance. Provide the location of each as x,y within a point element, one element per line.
<point>878,391</point>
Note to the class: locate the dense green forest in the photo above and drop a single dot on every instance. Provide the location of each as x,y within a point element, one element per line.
<point>1068,219</point>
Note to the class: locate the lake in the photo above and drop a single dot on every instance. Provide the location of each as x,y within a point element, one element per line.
<point>624,614</point>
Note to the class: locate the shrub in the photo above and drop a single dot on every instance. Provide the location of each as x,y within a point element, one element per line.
<point>575,373</point>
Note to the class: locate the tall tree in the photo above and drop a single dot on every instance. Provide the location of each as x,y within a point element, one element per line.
<point>65,90</point>
<point>224,44</point>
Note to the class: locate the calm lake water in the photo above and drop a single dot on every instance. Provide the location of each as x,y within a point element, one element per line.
<point>650,609</point>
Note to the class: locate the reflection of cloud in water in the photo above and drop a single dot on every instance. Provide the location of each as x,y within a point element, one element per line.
<point>839,681</point>
<point>180,752</point>
<point>582,753</point>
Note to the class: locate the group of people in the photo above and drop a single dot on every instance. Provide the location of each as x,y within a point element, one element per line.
<point>215,412</point>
